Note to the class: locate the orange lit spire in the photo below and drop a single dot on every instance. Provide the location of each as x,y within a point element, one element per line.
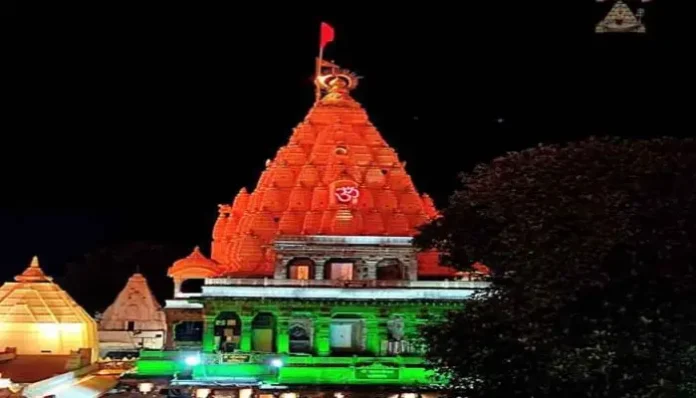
<point>335,176</point>
<point>33,273</point>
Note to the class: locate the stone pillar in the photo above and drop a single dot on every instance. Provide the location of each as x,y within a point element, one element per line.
<point>412,325</point>
<point>245,338</point>
<point>177,286</point>
<point>169,343</point>
<point>322,344</point>
<point>281,267</point>
<point>319,263</point>
<point>282,335</point>
<point>376,333</point>
<point>371,269</point>
<point>411,266</point>
<point>209,332</point>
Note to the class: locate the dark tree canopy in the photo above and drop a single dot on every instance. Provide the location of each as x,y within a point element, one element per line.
<point>592,250</point>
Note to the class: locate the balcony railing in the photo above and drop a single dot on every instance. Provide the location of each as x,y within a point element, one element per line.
<point>403,347</point>
<point>347,284</point>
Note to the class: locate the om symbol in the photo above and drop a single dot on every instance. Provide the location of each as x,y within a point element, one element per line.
<point>347,194</point>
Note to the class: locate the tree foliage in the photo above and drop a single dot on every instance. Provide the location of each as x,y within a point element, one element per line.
<point>593,292</point>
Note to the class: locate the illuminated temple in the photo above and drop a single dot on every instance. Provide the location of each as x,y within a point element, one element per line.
<point>313,285</point>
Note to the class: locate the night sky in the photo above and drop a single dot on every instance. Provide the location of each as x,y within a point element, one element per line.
<point>132,124</point>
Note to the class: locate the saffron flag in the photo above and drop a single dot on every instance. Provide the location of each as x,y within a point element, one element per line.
<point>327,34</point>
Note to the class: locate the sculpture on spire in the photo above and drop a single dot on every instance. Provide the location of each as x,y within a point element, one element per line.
<point>337,83</point>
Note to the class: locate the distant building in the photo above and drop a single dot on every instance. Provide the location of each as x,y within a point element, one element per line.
<point>621,19</point>
<point>134,321</point>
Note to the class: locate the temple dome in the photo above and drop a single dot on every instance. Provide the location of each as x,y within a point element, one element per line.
<point>195,265</point>
<point>38,317</point>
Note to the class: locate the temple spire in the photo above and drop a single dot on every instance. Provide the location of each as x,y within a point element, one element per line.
<point>33,273</point>
<point>621,19</point>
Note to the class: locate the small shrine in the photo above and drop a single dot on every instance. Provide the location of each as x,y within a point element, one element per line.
<point>621,19</point>
<point>37,317</point>
<point>134,321</point>
<point>135,308</point>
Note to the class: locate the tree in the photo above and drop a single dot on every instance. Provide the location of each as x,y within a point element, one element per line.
<point>591,247</point>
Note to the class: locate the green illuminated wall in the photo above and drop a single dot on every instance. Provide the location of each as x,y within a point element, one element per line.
<point>371,366</point>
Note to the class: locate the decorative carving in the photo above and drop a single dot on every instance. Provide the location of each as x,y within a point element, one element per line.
<point>395,326</point>
<point>347,194</point>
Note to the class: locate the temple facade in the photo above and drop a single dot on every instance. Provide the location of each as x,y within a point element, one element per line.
<point>313,283</point>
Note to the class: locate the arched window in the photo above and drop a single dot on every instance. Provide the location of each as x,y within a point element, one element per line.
<point>300,333</point>
<point>390,269</point>
<point>340,269</point>
<point>301,268</point>
<point>263,333</point>
<point>227,332</point>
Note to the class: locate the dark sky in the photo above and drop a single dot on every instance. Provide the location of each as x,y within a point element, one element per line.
<point>132,124</point>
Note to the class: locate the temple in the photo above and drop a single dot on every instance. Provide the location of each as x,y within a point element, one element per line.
<point>313,282</point>
<point>621,19</point>
<point>43,332</point>
<point>134,321</point>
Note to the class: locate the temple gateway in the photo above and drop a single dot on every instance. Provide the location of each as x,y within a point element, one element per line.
<point>313,286</point>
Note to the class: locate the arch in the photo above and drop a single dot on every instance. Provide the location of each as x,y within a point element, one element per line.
<point>227,331</point>
<point>263,336</point>
<point>390,269</point>
<point>301,268</point>
<point>300,332</point>
<point>340,269</point>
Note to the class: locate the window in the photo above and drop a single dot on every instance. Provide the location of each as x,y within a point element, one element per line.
<point>130,326</point>
<point>342,271</point>
<point>302,269</point>
<point>390,270</point>
<point>263,333</point>
<point>189,331</point>
<point>299,272</point>
<point>299,339</point>
<point>347,335</point>
<point>227,332</point>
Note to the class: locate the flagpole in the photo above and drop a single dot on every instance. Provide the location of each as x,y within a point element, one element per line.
<point>317,72</point>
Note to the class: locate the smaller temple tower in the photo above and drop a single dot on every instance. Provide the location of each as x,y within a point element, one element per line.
<point>621,19</point>
<point>134,321</point>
